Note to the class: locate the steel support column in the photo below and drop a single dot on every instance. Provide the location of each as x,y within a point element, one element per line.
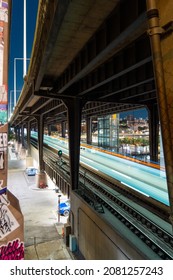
<point>18,135</point>
<point>89,130</point>
<point>22,135</point>
<point>49,129</point>
<point>162,64</point>
<point>74,106</point>
<point>63,129</point>
<point>40,125</point>
<point>154,131</point>
<point>29,138</point>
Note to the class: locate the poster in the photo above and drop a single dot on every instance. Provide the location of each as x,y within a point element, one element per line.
<point>3,90</point>
<point>8,223</point>
<point>11,218</point>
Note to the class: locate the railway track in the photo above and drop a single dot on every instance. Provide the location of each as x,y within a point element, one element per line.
<point>148,226</point>
<point>156,238</point>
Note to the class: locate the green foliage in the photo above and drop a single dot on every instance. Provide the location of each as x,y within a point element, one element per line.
<point>134,141</point>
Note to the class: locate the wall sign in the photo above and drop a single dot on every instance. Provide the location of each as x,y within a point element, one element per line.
<point>14,250</point>
<point>8,223</point>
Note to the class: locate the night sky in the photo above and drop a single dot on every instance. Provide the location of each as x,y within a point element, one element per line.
<point>140,113</point>
<point>16,40</point>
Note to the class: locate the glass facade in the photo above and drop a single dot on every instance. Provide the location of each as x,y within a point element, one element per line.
<point>108,127</point>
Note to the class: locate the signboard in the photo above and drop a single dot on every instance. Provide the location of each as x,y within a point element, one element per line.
<point>11,219</point>
<point>3,90</point>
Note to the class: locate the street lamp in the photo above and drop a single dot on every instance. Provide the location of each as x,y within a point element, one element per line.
<point>59,207</point>
<point>15,59</point>
<point>24,58</point>
<point>24,39</point>
<point>10,107</point>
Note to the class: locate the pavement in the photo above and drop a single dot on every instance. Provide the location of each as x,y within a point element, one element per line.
<point>43,229</point>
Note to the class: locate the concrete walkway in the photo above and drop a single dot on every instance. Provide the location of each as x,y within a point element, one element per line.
<point>42,231</point>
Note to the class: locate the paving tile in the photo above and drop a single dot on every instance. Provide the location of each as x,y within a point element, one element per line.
<point>30,253</point>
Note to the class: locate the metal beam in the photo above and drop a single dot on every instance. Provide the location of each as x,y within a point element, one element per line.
<point>134,31</point>
<point>59,10</point>
<point>162,59</point>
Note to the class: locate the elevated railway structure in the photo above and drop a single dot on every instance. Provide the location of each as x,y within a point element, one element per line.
<point>143,222</point>
<point>93,58</point>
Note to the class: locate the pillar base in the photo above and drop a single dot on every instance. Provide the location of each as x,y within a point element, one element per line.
<point>42,180</point>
